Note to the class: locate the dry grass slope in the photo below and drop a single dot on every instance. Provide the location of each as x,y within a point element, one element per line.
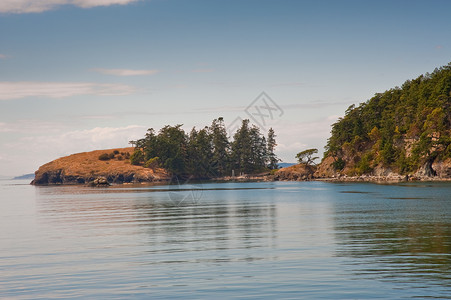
<point>84,167</point>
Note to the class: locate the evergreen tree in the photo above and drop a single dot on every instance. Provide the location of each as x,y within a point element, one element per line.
<point>241,148</point>
<point>248,149</point>
<point>221,148</point>
<point>206,153</point>
<point>272,160</point>
<point>199,153</point>
<point>171,148</point>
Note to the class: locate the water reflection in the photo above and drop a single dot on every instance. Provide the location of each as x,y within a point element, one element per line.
<point>216,228</point>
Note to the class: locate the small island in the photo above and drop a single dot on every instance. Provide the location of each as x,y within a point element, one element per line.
<point>86,167</point>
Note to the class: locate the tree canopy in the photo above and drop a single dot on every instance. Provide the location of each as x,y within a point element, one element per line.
<point>401,128</point>
<point>207,153</point>
<point>306,156</point>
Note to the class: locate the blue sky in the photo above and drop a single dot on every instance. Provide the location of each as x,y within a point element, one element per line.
<point>79,75</point>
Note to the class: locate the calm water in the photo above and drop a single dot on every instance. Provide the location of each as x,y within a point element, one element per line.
<point>296,240</point>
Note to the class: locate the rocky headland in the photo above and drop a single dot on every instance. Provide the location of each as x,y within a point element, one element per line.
<point>441,171</point>
<point>93,167</point>
<point>299,172</point>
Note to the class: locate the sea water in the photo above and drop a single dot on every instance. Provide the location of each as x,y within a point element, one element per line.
<point>273,240</point>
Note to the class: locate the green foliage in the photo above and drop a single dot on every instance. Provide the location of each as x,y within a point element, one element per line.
<point>114,155</point>
<point>273,172</point>
<point>388,154</point>
<point>248,149</point>
<point>221,148</point>
<point>207,152</point>
<point>338,164</point>
<point>137,158</point>
<point>305,157</point>
<point>152,163</point>
<point>417,115</point>
<point>271,146</point>
<point>364,165</point>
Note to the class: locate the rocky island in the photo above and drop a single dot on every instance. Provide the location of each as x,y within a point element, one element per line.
<point>87,167</point>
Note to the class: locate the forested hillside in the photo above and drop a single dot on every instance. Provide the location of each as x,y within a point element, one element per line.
<point>405,129</point>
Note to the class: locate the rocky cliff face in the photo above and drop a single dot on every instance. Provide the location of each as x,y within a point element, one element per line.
<point>325,169</point>
<point>82,168</point>
<point>442,169</point>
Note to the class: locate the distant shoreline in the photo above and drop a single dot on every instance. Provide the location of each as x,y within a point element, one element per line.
<point>269,178</point>
<point>25,176</point>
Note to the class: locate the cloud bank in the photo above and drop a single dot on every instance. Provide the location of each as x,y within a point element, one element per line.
<point>23,89</point>
<point>18,159</point>
<point>38,6</point>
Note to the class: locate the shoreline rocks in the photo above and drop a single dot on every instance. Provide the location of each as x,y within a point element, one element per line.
<point>299,172</point>
<point>99,182</point>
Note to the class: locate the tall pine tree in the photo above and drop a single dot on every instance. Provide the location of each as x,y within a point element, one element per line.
<point>272,159</point>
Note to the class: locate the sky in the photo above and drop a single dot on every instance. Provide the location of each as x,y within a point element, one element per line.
<point>81,75</point>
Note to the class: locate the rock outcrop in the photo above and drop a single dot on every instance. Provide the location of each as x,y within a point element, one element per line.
<point>442,168</point>
<point>299,172</point>
<point>325,169</point>
<point>83,168</point>
<point>430,171</point>
<point>100,182</point>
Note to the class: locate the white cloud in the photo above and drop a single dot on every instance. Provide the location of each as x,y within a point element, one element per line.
<point>293,137</point>
<point>102,137</point>
<point>3,56</point>
<point>125,72</point>
<point>26,154</point>
<point>17,90</point>
<point>38,6</point>
<point>84,140</point>
<point>28,6</point>
<point>5,127</point>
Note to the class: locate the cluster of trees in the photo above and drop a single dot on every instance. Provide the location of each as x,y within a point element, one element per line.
<point>402,128</point>
<point>207,153</point>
